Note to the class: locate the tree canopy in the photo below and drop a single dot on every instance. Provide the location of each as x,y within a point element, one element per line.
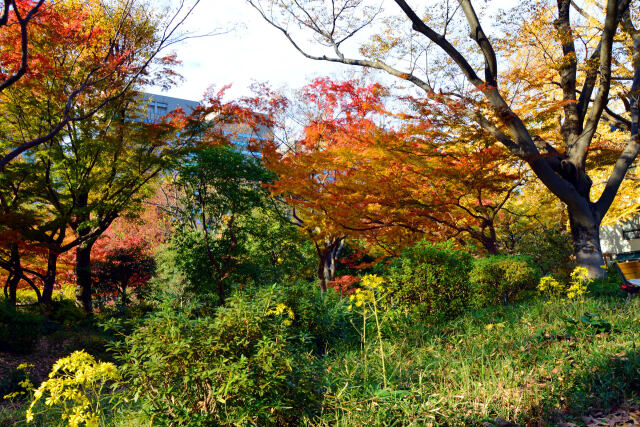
<point>573,54</point>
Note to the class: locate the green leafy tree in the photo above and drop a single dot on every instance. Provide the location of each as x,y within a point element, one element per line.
<point>220,188</point>
<point>95,51</point>
<point>85,178</point>
<point>67,190</point>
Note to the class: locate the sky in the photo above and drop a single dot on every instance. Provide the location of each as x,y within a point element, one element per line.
<point>251,51</point>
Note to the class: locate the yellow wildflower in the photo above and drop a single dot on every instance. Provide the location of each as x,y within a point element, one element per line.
<point>72,384</point>
<point>283,309</point>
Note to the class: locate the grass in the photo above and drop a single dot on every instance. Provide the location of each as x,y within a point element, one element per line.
<point>520,364</point>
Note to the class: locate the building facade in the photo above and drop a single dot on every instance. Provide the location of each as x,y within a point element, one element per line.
<point>622,241</point>
<point>161,105</point>
<point>240,134</point>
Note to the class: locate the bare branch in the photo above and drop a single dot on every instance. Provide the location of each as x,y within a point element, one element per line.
<point>478,35</point>
<point>579,151</point>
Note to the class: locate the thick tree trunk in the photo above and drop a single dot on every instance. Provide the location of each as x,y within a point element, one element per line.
<point>50,277</point>
<point>489,242</point>
<point>491,247</point>
<point>586,244</point>
<point>83,276</point>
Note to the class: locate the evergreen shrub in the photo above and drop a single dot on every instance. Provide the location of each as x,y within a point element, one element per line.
<point>241,365</point>
<point>431,280</point>
<point>502,279</point>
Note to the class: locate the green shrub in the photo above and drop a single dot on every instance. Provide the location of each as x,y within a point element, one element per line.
<point>551,249</point>
<point>240,366</point>
<point>431,280</point>
<point>609,284</point>
<point>325,320</point>
<point>504,279</point>
<point>66,312</point>
<point>19,330</point>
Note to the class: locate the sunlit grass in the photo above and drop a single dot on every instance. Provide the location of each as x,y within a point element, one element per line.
<point>518,363</point>
<point>26,296</point>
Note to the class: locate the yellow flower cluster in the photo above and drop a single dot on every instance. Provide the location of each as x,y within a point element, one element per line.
<point>75,383</point>
<point>490,326</point>
<point>373,282</point>
<point>580,274</point>
<point>577,286</point>
<point>26,384</point>
<point>578,282</point>
<point>371,285</point>
<point>282,309</point>
<point>549,285</point>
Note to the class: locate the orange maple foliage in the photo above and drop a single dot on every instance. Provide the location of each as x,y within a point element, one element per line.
<point>391,184</point>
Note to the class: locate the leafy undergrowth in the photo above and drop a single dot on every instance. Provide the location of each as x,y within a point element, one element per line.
<point>536,362</point>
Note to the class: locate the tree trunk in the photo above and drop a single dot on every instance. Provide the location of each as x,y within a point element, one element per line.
<point>586,244</point>
<point>11,288</point>
<point>83,276</point>
<point>50,277</point>
<point>491,246</point>
<point>490,241</point>
<point>15,275</point>
<point>328,257</point>
<point>322,276</point>
<point>124,300</point>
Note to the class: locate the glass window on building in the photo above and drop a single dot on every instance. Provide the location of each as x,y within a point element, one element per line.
<point>161,108</point>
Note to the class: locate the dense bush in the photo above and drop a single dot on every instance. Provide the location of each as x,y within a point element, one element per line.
<point>170,281</point>
<point>19,330</point>
<point>431,280</point>
<point>240,366</point>
<point>267,251</point>
<point>322,319</point>
<point>549,248</point>
<point>189,254</point>
<point>505,279</point>
<point>229,233</point>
